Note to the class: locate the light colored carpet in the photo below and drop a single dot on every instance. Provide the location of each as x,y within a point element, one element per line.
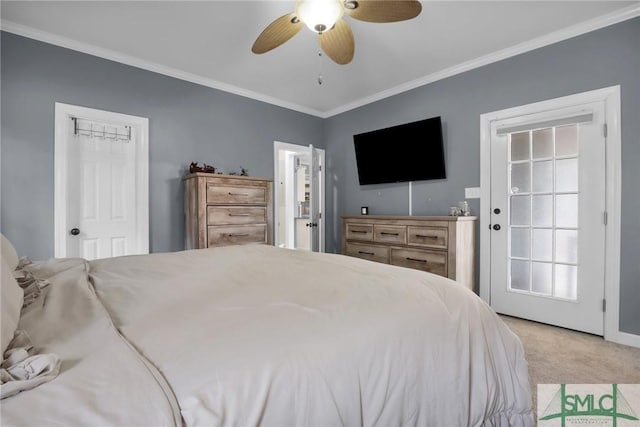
<point>562,356</point>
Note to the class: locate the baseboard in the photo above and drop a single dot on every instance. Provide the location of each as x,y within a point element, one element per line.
<point>625,338</point>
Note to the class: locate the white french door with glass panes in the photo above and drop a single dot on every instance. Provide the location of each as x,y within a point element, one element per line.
<point>548,216</point>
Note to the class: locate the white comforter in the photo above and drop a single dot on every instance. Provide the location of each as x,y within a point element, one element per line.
<point>257,335</point>
<point>103,381</point>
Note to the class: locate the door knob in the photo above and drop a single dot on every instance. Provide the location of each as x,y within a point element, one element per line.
<point>496,211</point>
<point>496,227</point>
<point>75,231</point>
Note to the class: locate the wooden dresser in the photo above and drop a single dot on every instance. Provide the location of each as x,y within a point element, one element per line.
<point>443,245</point>
<point>223,210</point>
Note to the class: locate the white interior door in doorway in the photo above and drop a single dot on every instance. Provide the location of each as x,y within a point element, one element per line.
<point>547,213</point>
<point>299,194</point>
<point>101,183</point>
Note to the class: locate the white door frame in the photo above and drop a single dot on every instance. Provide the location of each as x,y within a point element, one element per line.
<point>286,146</point>
<point>611,97</point>
<point>63,115</point>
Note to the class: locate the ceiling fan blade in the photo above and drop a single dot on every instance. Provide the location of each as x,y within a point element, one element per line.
<point>338,42</point>
<point>276,33</point>
<point>382,10</point>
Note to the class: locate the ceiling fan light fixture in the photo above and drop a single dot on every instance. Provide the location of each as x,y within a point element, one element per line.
<point>319,15</point>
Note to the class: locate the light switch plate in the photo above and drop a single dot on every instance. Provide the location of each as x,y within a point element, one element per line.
<point>472,193</point>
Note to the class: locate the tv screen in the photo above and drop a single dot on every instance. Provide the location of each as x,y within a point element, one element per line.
<point>409,152</point>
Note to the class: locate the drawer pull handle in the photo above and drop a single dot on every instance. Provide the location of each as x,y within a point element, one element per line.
<point>238,194</point>
<point>417,260</point>
<point>424,236</point>
<point>359,231</point>
<point>384,233</point>
<point>366,253</point>
<point>241,214</point>
<point>237,235</point>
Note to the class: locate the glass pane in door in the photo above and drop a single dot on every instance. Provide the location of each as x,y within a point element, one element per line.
<point>542,146</point>
<point>567,210</point>
<point>520,178</point>
<point>520,243</point>
<point>567,141</point>
<point>520,210</point>
<point>543,177</point>
<point>541,279</point>
<point>543,217</point>
<point>520,146</point>
<point>542,244</point>
<point>519,275</point>
<point>542,210</point>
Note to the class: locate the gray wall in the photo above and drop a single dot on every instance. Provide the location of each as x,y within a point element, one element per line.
<point>187,122</point>
<point>602,58</point>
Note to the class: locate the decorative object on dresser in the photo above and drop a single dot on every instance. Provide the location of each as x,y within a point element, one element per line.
<point>442,245</point>
<point>195,167</point>
<point>223,210</point>
<point>243,172</point>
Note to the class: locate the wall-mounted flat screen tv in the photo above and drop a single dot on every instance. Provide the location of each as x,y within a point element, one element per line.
<point>408,152</point>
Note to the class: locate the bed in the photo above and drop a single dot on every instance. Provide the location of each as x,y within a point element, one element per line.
<point>259,335</point>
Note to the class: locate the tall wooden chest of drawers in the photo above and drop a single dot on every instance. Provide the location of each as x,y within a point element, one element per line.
<point>443,245</point>
<point>223,210</point>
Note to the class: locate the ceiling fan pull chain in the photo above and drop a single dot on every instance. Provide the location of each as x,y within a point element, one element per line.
<point>320,68</point>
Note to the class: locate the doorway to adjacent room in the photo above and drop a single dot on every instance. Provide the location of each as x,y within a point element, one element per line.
<point>299,196</point>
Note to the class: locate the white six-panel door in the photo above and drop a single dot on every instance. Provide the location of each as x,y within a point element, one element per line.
<point>101,183</point>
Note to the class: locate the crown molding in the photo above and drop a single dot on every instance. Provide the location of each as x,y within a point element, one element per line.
<point>46,37</point>
<point>548,39</point>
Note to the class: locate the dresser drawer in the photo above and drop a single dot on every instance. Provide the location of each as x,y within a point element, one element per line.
<point>370,252</point>
<point>219,215</point>
<point>236,194</point>
<point>390,234</point>
<point>431,237</point>
<point>359,231</point>
<point>431,261</point>
<point>236,235</point>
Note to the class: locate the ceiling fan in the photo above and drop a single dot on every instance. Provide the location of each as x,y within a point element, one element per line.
<point>325,17</point>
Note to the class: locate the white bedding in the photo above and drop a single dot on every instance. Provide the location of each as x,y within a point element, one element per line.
<point>103,381</point>
<point>258,335</point>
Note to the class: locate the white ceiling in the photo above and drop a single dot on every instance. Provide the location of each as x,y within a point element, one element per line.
<point>209,42</point>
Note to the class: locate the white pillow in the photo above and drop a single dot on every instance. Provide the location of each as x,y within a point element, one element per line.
<point>11,302</point>
<point>9,254</point>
